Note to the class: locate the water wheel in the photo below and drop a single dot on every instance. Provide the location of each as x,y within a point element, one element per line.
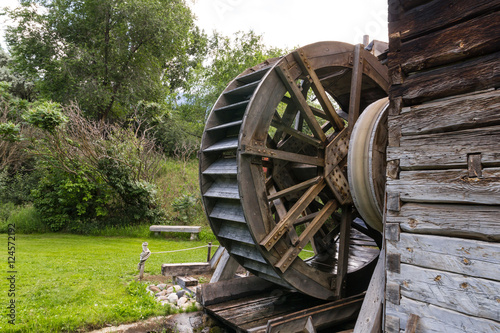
<point>292,179</point>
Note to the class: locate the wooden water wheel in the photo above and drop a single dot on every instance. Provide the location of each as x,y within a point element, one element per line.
<point>288,168</point>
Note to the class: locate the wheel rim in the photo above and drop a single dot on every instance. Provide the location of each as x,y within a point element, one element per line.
<point>274,169</point>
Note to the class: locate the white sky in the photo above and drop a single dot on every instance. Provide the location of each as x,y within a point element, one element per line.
<point>290,23</point>
<point>287,23</point>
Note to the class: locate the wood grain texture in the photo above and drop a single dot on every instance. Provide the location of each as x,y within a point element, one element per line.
<point>435,319</point>
<point>475,74</point>
<point>447,186</point>
<point>462,256</point>
<point>370,316</point>
<point>469,295</point>
<point>478,109</point>
<point>466,40</point>
<point>437,14</point>
<point>448,149</point>
<point>474,222</point>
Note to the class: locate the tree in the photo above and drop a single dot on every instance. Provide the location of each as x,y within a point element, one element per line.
<point>106,55</point>
<point>227,58</point>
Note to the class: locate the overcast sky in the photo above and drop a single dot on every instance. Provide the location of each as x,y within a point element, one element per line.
<point>288,23</point>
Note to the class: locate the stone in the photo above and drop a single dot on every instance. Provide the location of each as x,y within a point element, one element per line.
<point>181,293</point>
<point>163,298</point>
<point>170,290</point>
<point>162,286</point>
<point>198,306</point>
<point>181,301</point>
<point>172,298</point>
<point>177,288</point>
<point>154,289</point>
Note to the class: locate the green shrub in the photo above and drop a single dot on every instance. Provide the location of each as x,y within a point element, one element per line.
<point>186,207</point>
<point>25,218</point>
<point>46,116</point>
<point>27,221</point>
<point>70,201</point>
<point>17,187</point>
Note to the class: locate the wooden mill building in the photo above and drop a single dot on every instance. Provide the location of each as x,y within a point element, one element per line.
<point>442,227</point>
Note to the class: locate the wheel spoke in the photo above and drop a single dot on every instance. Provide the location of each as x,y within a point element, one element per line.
<point>318,89</point>
<point>287,222</point>
<point>293,189</point>
<point>281,211</point>
<point>278,123</point>
<point>301,101</point>
<point>306,235</point>
<point>282,155</point>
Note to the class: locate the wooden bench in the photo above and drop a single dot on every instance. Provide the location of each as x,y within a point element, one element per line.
<point>193,230</point>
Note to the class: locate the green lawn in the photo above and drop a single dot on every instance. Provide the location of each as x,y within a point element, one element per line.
<point>77,283</point>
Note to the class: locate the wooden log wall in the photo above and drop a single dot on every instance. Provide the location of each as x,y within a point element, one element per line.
<point>443,177</point>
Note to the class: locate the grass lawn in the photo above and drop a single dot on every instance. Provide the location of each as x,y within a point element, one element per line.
<point>68,283</point>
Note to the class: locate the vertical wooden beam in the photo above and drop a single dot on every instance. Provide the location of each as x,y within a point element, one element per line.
<point>356,81</point>
<point>345,236</point>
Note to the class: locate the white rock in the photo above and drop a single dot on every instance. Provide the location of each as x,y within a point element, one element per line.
<point>177,288</point>
<point>170,290</point>
<point>163,298</point>
<point>162,286</point>
<point>172,298</point>
<point>182,301</point>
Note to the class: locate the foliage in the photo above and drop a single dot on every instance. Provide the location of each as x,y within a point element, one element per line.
<point>46,116</point>
<point>18,85</point>
<point>96,173</point>
<point>105,54</point>
<point>186,207</point>
<point>26,219</point>
<point>13,156</point>
<point>227,58</point>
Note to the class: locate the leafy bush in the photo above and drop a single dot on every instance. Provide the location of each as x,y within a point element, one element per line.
<point>26,219</point>
<point>186,207</point>
<point>97,174</point>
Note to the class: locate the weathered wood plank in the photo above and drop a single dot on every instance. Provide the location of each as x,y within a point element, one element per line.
<point>226,268</point>
<point>323,316</point>
<point>447,186</point>
<point>370,316</point>
<point>469,295</point>
<point>438,14</point>
<point>435,319</point>
<point>456,43</point>
<point>476,74</point>
<point>478,109</point>
<point>462,256</point>
<point>477,222</point>
<point>447,150</point>
<point>185,269</point>
<point>222,291</point>
<point>175,228</point>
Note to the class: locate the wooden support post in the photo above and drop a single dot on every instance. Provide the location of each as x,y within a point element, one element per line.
<point>345,236</point>
<point>226,268</point>
<point>356,81</point>
<point>209,252</point>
